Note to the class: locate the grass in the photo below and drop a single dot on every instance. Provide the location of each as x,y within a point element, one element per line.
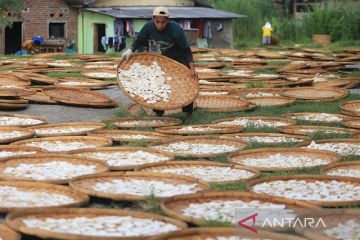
<point>64,75</point>
<point>140,143</point>
<point>151,204</point>
<point>62,57</point>
<point>323,135</point>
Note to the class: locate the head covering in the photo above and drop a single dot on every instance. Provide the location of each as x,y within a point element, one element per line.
<point>267,25</point>
<point>161,11</point>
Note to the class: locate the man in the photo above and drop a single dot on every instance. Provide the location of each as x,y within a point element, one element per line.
<point>29,46</point>
<point>172,42</point>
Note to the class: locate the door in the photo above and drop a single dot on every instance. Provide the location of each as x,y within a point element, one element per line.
<point>13,38</point>
<point>99,32</point>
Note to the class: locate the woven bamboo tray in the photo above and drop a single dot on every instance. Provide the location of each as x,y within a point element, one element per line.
<point>35,77</point>
<point>351,122</point>
<point>93,140</point>
<point>9,151</point>
<point>13,106</point>
<point>210,65</point>
<point>215,93</point>
<point>7,115</point>
<point>15,221</point>
<point>40,98</point>
<point>138,110</point>
<point>184,89</point>
<point>267,119</point>
<point>257,92</point>
<point>200,164</point>
<point>345,140</point>
<point>88,154</point>
<point>25,134</point>
<point>107,74</point>
<point>84,184</point>
<point>173,206</point>
<point>272,101</point>
<point>204,140</point>
<point>82,82</point>
<point>78,97</point>
<point>245,137</point>
<point>331,219</point>
<point>298,130</point>
<point>297,116</point>
<point>7,233</point>
<point>316,94</point>
<point>14,93</point>
<point>270,55</point>
<point>14,101</point>
<point>79,198</point>
<point>237,158</point>
<point>8,81</point>
<point>351,165</point>
<point>205,233</point>
<point>333,83</point>
<point>311,178</point>
<point>214,129</point>
<point>92,125</point>
<point>145,122</point>
<point>351,108</point>
<point>125,135</point>
<point>222,104</point>
<point>100,166</point>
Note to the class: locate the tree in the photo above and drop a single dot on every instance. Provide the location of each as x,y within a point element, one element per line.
<point>8,6</point>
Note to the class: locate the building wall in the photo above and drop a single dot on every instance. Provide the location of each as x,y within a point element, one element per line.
<point>37,16</point>
<point>112,3</point>
<point>223,39</point>
<point>86,42</point>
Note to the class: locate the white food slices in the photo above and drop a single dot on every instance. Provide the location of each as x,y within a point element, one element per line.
<point>4,154</point>
<point>14,197</point>
<point>325,131</point>
<point>97,66</point>
<point>147,82</point>
<point>56,130</point>
<point>109,226</point>
<point>311,190</point>
<point>344,172</point>
<point>319,117</point>
<point>101,75</point>
<point>5,121</point>
<point>260,139</point>
<point>196,148</point>
<point>224,210</point>
<point>14,134</point>
<point>259,123</point>
<point>283,161</point>
<point>49,170</point>
<point>208,173</point>
<point>347,230</point>
<point>135,137</point>
<point>260,94</point>
<point>60,146</point>
<point>197,129</point>
<point>122,158</point>
<point>143,187</point>
<point>138,122</point>
<point>340,148</point>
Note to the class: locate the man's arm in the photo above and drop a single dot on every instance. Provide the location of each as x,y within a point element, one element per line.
<point>139,40</point>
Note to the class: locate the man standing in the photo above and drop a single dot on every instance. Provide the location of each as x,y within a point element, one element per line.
<point>172,43</point>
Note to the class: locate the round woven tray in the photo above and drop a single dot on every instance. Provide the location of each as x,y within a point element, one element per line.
<point>209,65</point>
<point>351,165</point>
<point>184,89</point>
<point>15,221</point>
<point>138,110</point>
<point>345,140</point>
<point>88,154</point>
<point>297,130</point>
<point>206,233</point>
<point>93,140</point>
<point>199,164</point>
<point>35,77</point>
<point>108,74</point>
<point>270,55</point>
<point>272,101</point>
<point>100,166</point>
<point>14,93</point>
<point>79,198</point>
<point>13,106</point>
<point>204,140</point>
<point>351,122</point>
<point>25,134</point>
<point>267,119</point>
<point>173,206</point>
<point>6,115</point>
<point>17,151</point>
<point>7,233</point>
<point>145,122</point>
<point>297,116</point>
<point>331,219</point>
<point>125,135</point>
<point>222,104</point>
<point>333,83</point>
<point>316,94</point>
<point>311,178</point>
<point>214,129</point>
<point>92,125</point>
<point>14,101</point>
<point>257,92</point>
<point>13,81</point>
<point>351,108</point>
<point>40,98</point>
<point>245,137</point>
<point>82,82</point>
<point>237,158</point>
<point>78,97</point>
<point>84,184</point>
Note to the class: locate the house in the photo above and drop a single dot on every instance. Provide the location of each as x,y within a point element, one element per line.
<point>55,21</point>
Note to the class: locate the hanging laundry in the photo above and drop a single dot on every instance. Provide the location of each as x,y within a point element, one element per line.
<point>104,42</point>
<point>207,29</point>
<point>199,24</point>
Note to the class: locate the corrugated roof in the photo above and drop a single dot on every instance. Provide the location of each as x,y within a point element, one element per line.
<point>79,3</point>
<point>175,12</point>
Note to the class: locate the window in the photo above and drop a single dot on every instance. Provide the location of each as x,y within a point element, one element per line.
<point>56,30</point>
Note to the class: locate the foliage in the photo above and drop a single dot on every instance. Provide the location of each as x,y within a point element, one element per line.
<point>8,6</point>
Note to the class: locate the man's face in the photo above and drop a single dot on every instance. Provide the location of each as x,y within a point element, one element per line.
<point>160,22</point>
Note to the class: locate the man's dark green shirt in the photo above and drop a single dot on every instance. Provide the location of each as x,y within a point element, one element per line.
<point>171,41</point>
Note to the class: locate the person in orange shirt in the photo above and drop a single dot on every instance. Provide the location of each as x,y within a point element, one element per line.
<point>266,34</point>
<point>28,45</point>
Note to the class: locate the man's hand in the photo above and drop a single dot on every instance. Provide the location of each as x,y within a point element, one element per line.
<point>193,72</point>
<point>127,54</point>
